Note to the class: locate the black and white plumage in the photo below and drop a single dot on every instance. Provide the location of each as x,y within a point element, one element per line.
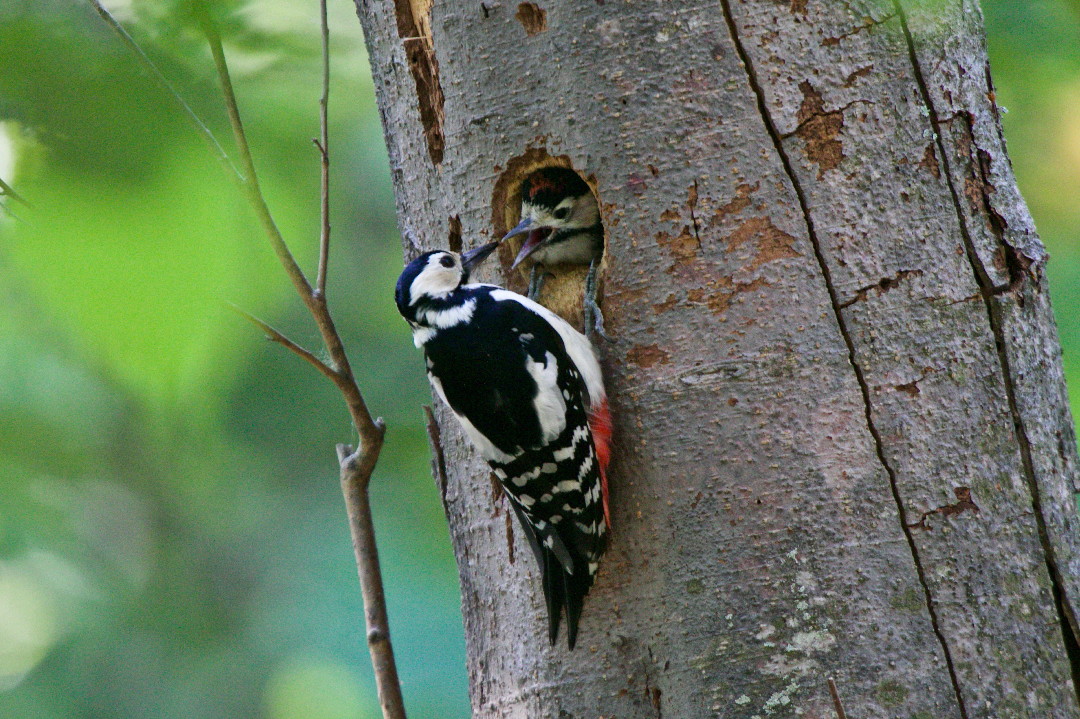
<point>561,223</point>
<point>527,389</point>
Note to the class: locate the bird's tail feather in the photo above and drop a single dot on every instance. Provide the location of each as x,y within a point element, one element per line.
<point>553,594</point>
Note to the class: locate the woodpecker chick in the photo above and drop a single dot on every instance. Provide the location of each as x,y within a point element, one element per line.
<point>527,390</point>
<point>561,220</point>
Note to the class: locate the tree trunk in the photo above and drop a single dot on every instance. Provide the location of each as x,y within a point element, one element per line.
<point>843,447</point>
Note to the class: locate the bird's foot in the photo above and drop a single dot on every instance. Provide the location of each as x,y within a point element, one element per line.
<point>536,282</point>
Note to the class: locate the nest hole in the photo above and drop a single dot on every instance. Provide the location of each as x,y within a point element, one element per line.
<point>563,290</point>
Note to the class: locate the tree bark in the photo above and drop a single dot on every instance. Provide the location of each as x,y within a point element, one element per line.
<point>843,446</point>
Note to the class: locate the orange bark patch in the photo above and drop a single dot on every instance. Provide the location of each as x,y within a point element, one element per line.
<point>532,17</point>
<point>772,242</point>
<point>647,355</point>
<point>929,162</point>
<point>683,247</point>
<point>624,295</point>
<point>717,296</point>
<point>854,77</point>
<point>739,203</point>
<point>819,129</point>
<point>661,307</point>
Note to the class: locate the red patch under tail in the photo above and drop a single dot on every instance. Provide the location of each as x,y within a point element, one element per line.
<point>600,426</point>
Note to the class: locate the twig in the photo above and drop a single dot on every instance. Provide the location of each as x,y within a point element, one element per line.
<point>356,466</point>
<point>324,152</point>
<point>167,86</point>
<point>840,713</point>
<point>5,209</point>
<point>274,335</point>
<point>250,182</point>
<point>7,190</point>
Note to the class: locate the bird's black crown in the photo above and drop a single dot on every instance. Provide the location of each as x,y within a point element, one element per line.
<point>549,186</point>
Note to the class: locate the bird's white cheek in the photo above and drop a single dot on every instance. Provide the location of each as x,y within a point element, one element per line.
<point>435,281</point>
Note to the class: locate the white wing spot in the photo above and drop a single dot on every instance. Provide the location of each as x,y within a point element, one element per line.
<point>556,518</point>
<point>549,468</point>
<point>568,485</point>
<point>585,467</point>
<point>522,479</point>
<point>548,402</point>
<point>561,455</point>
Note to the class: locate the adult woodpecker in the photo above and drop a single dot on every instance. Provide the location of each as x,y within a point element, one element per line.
<point>527,390</point>
<point>561,220</point>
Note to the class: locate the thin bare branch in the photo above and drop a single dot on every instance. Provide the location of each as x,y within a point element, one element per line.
<point>167,86</point>
<point>250,183</point>
<point>356,467</point>
<point>7,190</point>
<point>324,151</point>
<point>275,335</point>
<point>5,208</point>
<point>356,471</point>
<point>837,704</point>
<point>315,301</point>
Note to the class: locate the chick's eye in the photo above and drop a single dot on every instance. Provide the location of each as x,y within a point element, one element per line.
<point>561,213</point>
<point>446,261</point>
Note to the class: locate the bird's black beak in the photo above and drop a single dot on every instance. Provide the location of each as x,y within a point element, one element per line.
<point>472,259</point>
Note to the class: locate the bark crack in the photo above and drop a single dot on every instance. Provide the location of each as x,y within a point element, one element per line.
<point>692,204</point>
<point>789,170</point>
<point>881,286</point>
<point>963,503</point>
<point>1070,629</point>
<point>438,459</point>
<point>414,28</point>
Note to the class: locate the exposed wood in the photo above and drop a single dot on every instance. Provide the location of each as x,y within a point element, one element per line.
<point>843,447</point>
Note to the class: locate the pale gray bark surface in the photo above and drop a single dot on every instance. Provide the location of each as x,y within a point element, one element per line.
<point>843,447</point>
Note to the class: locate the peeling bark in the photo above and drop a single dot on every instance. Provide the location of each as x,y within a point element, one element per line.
<point>832,334</point>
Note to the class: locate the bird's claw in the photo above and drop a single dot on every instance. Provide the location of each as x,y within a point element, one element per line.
<point>594,320</point>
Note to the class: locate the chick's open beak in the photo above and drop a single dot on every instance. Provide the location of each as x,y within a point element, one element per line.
<point>537,234</point>
<point>524,226</point>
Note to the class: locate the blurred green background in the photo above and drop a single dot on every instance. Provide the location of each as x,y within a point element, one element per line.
<point>172,535</point>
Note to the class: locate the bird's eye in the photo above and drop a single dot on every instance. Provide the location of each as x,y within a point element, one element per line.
<point>561,213</point>
<point>446,261</point>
